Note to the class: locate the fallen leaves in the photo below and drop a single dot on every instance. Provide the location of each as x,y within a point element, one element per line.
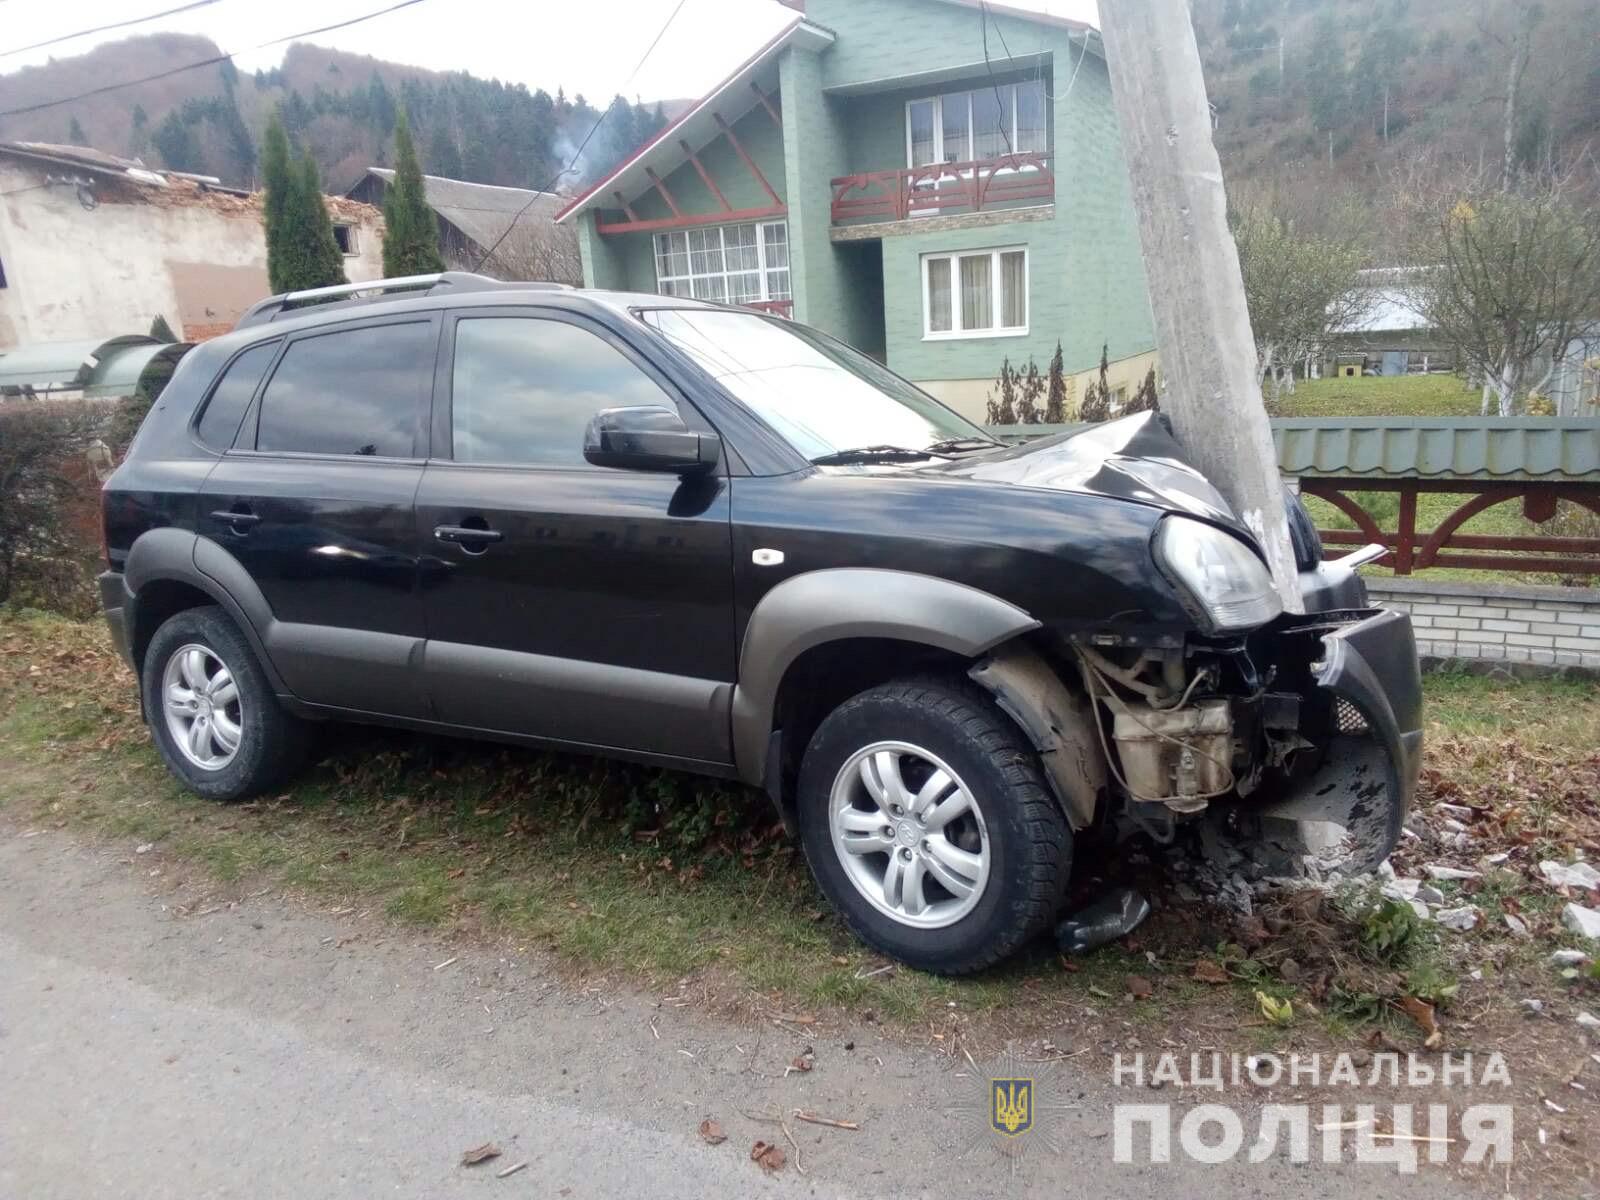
<point>711,1132</point>
<point>1140,988</point>
<point>479,1154</point>
<point>768,1156</point>
<point>1276,1012</point>
<point>1209,970</point>
<point>1422,1013</point>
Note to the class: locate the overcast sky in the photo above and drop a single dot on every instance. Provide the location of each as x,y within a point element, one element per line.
<point>587,46</point>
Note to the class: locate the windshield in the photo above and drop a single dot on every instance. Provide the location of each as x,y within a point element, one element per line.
<point>817,392</point>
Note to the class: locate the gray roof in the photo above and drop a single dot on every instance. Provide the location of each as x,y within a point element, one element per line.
<point>1547,449</point>
<point>483,211</point>
<point>1502,449</point>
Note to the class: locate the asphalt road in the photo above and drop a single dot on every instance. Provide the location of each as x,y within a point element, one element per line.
<point>264,1050</point>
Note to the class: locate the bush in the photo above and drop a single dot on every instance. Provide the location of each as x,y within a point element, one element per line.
<point>49,503</point>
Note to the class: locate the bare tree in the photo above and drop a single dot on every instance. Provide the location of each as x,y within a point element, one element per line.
<point>537,250</point>
<point>1299,282</point>
<point>1509,276</point>
<point>1510,27</point>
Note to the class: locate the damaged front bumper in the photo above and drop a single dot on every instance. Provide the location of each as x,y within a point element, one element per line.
<point>1345,810</point>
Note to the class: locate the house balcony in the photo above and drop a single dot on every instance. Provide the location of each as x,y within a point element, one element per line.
<point>944,189</point>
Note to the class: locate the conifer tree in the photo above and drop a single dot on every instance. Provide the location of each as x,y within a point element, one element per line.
<point>411,236</point>
<point>277,180</point>
<point>324,259</point>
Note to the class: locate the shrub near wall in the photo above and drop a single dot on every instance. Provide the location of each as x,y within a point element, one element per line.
<point>50,503</point>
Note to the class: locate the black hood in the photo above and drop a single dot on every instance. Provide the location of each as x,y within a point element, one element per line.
<point>1134,458</point>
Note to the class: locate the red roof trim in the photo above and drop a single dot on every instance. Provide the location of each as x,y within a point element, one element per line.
<point>781,36</point>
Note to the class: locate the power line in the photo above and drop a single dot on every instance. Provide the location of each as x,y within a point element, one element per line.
<point>578,153</point>
<point>206,62</point>
<point>67,37</point>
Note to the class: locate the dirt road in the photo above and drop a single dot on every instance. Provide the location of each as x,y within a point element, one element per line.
<point>262,1049</point>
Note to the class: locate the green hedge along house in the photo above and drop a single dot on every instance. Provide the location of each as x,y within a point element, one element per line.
<point>938,182</point>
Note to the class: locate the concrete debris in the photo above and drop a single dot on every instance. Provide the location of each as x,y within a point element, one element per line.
<point>1401,889</point>
<point>1582,921</point>
<point>1589,1021</point>
<point>1578,875</point>
<point>1421,909</point>
<point>1532,1007</point>
<point>1517,925</point>
<point>1438,871</point>
<point>1494,860</point>
<point>1459,919</point>
<point>1386,870</point>
<point>1453,825</point>
<point>1459,811</point>
<point>1569,958</point>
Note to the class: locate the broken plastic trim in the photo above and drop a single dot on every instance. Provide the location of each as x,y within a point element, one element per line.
<point>1347,814</point>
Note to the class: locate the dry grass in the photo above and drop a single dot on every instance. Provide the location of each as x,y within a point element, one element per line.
<point>661,876</point>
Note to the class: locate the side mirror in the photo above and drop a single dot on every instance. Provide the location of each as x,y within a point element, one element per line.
<point>649,438</point>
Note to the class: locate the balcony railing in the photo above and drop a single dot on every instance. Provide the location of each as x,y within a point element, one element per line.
<point>943,188</point>
<point>778,308</point>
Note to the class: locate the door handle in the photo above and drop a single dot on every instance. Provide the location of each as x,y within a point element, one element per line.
<point>464,535</point>
<point>237,521</point>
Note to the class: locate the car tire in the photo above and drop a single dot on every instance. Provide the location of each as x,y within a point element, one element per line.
<point>212,712</point>
<point>1010,846</point>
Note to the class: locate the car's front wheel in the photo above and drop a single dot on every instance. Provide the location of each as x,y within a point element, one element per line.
<point>211,710</point>
<point>928,824</point>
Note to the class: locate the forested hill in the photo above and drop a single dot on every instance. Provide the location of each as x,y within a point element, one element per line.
<point>343,106</point>
<point>1368,86</point>
<point>1304,90</point>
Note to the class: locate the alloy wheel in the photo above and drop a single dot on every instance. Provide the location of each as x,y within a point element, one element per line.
<point>200,699</point>
<point>909,834</point>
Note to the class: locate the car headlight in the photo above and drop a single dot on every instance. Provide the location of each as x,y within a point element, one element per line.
<point>1222,576</point>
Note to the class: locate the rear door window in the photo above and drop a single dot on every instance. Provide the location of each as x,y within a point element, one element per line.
<point>219,421</point>
<point>524,388</point>
<point>351,391</point>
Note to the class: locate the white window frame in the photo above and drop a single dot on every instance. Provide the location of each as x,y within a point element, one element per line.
<point>937,103</point>
<point>762,268</point>
<point>996,278</point>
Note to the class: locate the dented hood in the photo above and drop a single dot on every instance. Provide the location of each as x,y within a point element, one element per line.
<point>1134,458</point>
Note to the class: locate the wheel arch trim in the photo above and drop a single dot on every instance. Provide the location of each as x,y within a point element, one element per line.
<point>182,556</point>
<point>812,609</point>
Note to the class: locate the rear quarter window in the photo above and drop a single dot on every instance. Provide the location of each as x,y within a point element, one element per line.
<point>218,426</point>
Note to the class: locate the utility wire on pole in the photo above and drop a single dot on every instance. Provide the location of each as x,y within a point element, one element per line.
<point>205,62</point>
<point>67,37</point>
<point>1196,290</point>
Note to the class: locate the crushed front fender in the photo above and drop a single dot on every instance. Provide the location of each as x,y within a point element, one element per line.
<point>1363,693</point>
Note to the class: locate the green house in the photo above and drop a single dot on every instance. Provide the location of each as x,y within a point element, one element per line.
<point>938,182</point>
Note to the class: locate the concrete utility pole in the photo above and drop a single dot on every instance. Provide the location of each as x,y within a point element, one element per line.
<point>1208,353</point>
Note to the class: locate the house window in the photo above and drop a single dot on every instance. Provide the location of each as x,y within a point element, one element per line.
<point>345,235</point>
<point>975,293</point>
<point>736,264</point>
<point>983,123</point>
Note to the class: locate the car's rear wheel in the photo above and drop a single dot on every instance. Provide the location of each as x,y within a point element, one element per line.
<point>928,824</point>
<point>211,711</point>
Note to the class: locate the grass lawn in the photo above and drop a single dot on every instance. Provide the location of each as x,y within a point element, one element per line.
<point>1382,396</point>
<point>659,876</point>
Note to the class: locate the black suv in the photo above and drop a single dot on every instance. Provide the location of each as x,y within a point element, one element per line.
<point>723,542</point>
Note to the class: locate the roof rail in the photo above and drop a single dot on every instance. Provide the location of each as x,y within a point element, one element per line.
<point>374,290</point>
